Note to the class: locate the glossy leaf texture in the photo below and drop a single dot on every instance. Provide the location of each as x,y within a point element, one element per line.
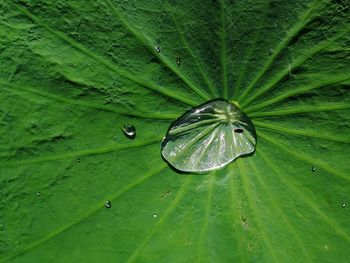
<point>74,188</point>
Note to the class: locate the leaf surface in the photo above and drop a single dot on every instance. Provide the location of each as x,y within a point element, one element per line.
<point>73,73</point>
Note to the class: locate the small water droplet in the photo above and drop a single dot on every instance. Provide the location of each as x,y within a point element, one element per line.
<point>129,131</point>
<point>157,48</point>
<point>155,215</point>
<point>38,194</point>
<point>343,205</point>
<point>108,204</point>
<point>178,61</point>
<point>78,160</point>
<point>238,130</point>
<point>313,169</point>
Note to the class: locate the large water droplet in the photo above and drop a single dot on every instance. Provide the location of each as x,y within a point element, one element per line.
<point>208,137</point>
<point>108,204</point>
<point>313,169</point>
<point>129,131</point>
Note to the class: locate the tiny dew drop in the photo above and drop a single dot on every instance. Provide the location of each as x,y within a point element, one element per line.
<point>343,205</point>
<point>108,204</point>
<point>155,215</point>
<point>38,194</point>
<point>129,131</point>
<point>313,169</point>
<point>78,160</point>
<point>178,61</point>
<point>157,48</point>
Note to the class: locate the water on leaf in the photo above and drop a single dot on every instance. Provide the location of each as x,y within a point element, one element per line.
<point>155,215</point>
<point>38,194</point>
<point>78,160</point>
<point>157,48</point>
<point>129,131</point>
<point>343,205</point>
<point>208,137</point>
<point>108,204</point>
<point>178,61</point>
<point>313,169</point>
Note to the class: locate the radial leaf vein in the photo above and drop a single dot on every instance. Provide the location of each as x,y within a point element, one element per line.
<point>204,227</point>
<point>104,61</point>
<point>333,224</point>
<point>244,177</point>
<point>298,91</point>
<point>97,207</point>
<point>297,132</point>
<point>223,48</point>
<point>300,110</point>
<point>144,40</point>
<point>199,65</point>
<point>133,112</point>
<point>302,156</point>
<point>248,55</point>
<point>234,208</point>
<point>282,45</point>
<point>94,151</point>
<point>181,193</point>
<point>296,63</point>
<point>279,211</point>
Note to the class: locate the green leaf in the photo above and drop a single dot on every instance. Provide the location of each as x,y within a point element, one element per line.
<point>73,73</point>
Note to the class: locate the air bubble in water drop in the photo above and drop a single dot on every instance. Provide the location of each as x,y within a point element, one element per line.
<point>129,131</point>
<point>108,204</point>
